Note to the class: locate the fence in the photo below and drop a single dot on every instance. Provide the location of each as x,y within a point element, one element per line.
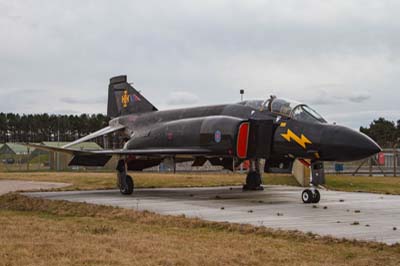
<point>385,163</point>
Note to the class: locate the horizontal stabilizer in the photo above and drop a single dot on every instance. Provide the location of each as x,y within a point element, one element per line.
<point>52,149</point>
<point>99,133</point>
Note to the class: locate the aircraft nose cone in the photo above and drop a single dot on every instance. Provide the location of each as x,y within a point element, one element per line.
<point>345,144</point>
<point>361,146</point>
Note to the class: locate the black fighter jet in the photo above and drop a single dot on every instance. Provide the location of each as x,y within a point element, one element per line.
<point>276,130</point>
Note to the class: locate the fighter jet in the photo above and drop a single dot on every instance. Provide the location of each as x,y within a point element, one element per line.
<point>273,130</point>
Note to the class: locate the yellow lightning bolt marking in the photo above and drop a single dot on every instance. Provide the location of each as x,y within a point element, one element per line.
<point>302,141</point>
<point>125,99</point>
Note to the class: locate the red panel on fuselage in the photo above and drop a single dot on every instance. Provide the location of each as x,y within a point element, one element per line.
<point>242,140</point>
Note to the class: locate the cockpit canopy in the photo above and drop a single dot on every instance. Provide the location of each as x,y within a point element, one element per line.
<point>287,108</point>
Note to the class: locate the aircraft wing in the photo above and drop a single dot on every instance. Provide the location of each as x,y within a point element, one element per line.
<point>101,132</point>
<point>156,151</point>
<point>101,157</point>
<point>159,152</point>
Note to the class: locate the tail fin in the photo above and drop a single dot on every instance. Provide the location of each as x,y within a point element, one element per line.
<point>123,99</point>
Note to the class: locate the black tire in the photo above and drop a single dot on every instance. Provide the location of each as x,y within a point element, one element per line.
<point>128,190</point>
<point>253,181</point>
<point>307,196</point>
<point>317,196</point>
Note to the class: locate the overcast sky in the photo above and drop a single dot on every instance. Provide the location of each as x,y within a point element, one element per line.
<point>340,57</point>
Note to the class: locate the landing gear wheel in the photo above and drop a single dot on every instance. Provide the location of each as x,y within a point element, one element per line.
<point>307,196</point>
<point>253,181</point>
<point>316,197</point>
<point>128,189</point>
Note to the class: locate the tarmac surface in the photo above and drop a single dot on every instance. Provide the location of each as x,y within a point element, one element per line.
<point>13,185</point>
<point>361,216</point>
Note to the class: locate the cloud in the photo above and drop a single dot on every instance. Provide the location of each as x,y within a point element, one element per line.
<point>69,50</point>
<point>323,95</point>
<point>359,98</point>
<point>355,119</point>
<point>76,100</point>
<point>331,94</point>
<point>20,92</point>
<point>182,98</point>
<point>19,100</point>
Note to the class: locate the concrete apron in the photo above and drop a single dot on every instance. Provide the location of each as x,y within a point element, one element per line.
<point>7,186</point>
<point>361,216</point>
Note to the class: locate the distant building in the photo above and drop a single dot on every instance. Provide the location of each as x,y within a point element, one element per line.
<point>14,149</point>
<point>14,153</point>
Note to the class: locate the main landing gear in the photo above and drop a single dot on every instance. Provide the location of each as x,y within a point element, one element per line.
<point>253,178</point>
<point>124,181</point>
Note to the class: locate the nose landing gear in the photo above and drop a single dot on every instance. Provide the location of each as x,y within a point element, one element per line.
<point>317,177</point>
<point>310,196</point>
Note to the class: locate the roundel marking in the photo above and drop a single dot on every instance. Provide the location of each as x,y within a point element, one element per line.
<point>217,136</point>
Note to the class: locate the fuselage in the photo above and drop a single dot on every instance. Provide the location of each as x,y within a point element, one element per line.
<point>291,137</point>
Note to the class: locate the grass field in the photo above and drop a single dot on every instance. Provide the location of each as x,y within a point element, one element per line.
<point>105,180</point>
<point>44,232</point>
<point>101,180</point>
<point>375,184</point>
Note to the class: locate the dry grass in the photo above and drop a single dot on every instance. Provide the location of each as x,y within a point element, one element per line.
<point>101,180</point>
<point>374,184</point>
<point>44,232</point>
<point>106,180</point>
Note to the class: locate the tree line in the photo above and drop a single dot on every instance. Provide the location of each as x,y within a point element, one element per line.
<point>386,133</point>
<point>45,127</point>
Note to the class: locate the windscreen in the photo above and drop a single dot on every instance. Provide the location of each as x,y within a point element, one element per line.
<point>288,108</point>
<point>306,113</point>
